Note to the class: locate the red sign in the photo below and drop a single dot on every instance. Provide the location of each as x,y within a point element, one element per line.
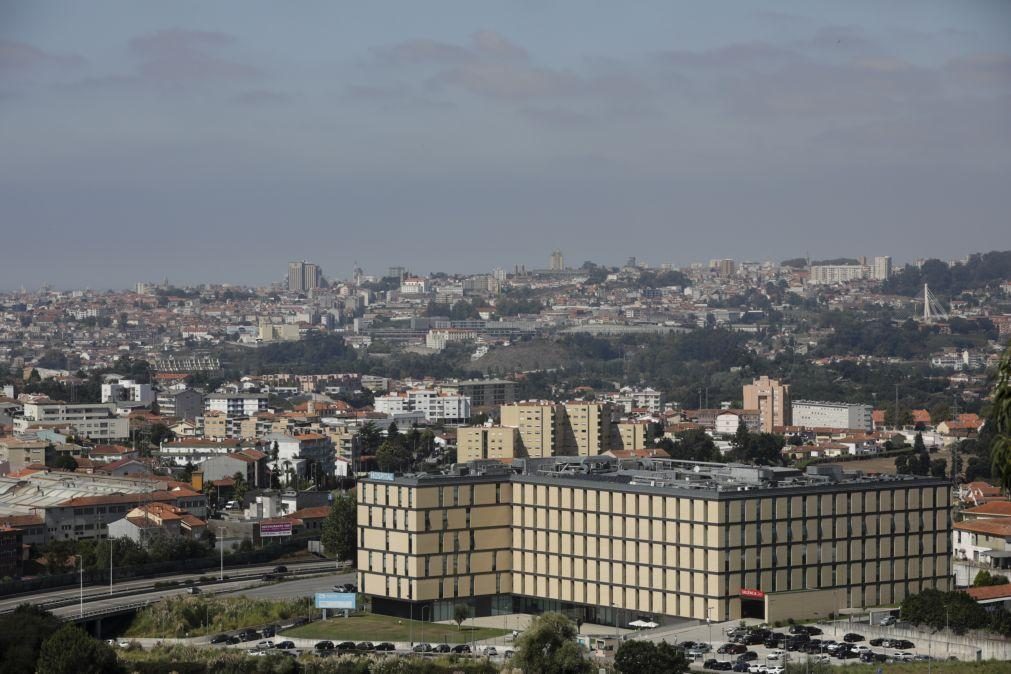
<point>752,594</point>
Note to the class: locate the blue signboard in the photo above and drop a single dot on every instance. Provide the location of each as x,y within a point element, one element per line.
<point>376,475</point>
<point>338,600</point>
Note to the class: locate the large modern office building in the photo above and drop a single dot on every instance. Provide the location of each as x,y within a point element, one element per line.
<point>607,542</point>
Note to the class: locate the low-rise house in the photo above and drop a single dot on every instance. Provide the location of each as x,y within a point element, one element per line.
<point>148,520</point>
<point>251,464</point>
<point>980,545</point>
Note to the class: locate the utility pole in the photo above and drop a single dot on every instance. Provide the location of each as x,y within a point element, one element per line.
<point>81,558</point>
<point>110,564</point>
<point>221,546</point>
<point>896,407</point>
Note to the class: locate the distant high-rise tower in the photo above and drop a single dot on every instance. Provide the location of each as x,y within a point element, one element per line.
<point>771,399</point>
<point>557,261</point>
<point>304,276</point>
<point>882,268</point>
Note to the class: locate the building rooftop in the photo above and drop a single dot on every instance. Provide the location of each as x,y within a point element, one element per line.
<point>663,476</point>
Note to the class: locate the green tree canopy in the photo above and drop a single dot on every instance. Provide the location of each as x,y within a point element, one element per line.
<point>549,646</point>
<point>1000,448</point>
<point>340,528</point>
<point>22,633</point>
<point>71,651</point>
<point>638,656</point>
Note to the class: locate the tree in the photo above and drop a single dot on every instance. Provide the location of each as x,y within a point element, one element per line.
<point>240,486</point>
<point>22,634</point>
<point>460,613</point>
<point>938,468</point>
<point>71,651</point>
<point>370,438</point>
<point>549,646</point>
<point>984,578</point>
<point>340,528</point>
<point>638,656</point>
<point>1000,447</point>
<point>393,457</point>
<point>918,445</point>
<point>65,462</point>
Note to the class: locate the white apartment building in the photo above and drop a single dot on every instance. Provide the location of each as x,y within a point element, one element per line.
<point>838,273</point>
<point>632,398</point>
<point>236,404</point>
<point>437,407</point>
<point>819,414</point>
<point>127,390</point>
<point>298,450</point>
<point>96,421</point>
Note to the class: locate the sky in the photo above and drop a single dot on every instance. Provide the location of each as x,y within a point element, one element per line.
<point>215,141</point>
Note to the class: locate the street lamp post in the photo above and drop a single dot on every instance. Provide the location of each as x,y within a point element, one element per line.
<point>81,558</point>
<point>110,564</point>
<point>710,623</point>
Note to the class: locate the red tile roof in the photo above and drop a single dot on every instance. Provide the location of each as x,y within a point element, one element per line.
<point>990,592</point>
<point>986,527</point>
<point>996,508</point>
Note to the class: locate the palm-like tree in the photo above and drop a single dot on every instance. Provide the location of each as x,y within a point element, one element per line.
<point>1000,451</point>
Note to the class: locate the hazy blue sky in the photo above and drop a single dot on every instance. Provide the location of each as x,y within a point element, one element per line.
<point>214,141</point>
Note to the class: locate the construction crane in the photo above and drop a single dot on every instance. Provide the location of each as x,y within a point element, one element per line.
<point>933,310</point>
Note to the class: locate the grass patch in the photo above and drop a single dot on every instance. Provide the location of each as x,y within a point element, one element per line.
<point>376,628</point>
<point>197,615</point>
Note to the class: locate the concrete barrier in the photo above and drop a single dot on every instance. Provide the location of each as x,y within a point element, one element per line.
<point>940,644</point>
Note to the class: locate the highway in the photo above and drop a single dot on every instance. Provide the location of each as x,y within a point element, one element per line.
<point>132,591</point>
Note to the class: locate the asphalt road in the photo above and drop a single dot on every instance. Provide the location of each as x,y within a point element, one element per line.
<point>301,587</point>
<point>140,589</point>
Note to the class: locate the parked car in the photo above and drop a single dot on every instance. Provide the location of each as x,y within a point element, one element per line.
<point>723,666</point>
<point>774,655</point>
<point>385,646</point>
<point>876,642</point>
<point>901,644</point>
<point>747,656</point>
<point>461,648</point>
<point>757,668</point>
<point>731,649</point>
<point>740,666</point>
<point>233,640</point>
<point>508,653</point>
<point>852,637</point>
<point>248,635</point>
<point>422,648</point>
<point>220,639</point>
<point>345,646</point>
<point>265,644</point>
<point>285,645</point>
<point>775,669</point>
<point>490,651</point>
<point>194,590</point>
<point>365,646</point>
<point>813,631</point>
<point>699,649</point>
<point>904,656</point>
<point>709,664</point>
<point>270,630</point>
<point>324,646</point>
<point>888,620</point>
<point>442,648</point>
<point>281,569</point>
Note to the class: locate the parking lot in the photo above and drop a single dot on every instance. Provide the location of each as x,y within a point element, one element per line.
<point>765,657</point>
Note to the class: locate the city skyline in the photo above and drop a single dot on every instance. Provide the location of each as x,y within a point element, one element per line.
<point>205,144</point>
